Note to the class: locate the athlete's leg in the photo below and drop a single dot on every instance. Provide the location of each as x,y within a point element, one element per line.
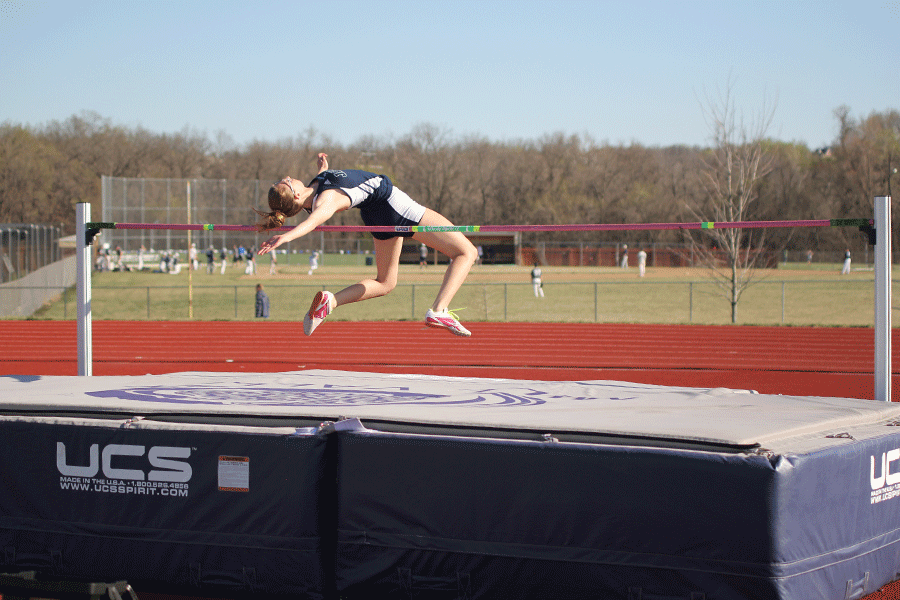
<point>457,247</point>
<point>387,260</point>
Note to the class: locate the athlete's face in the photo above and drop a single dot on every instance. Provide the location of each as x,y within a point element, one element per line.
<point>290,184</point>
<point>287,181</point>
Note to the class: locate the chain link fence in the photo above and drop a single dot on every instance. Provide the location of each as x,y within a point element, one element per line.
<point>34,260</point>
<point>215,201</point>
<point>25,248</point>
<point>143,200</point>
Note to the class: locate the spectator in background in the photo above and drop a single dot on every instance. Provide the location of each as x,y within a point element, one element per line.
<point>107,261</point>
<point>846,269</point>
<point>194,264</point>
<point>423,256</point>
<point>537,282</point>
<point>313,262</point>
<point>250,256</point>
<point>624,263</point>
<point>223,254</point>
<point>210,260</point>
<point>262,303</point>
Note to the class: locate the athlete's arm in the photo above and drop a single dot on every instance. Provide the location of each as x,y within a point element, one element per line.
<point>328,203</point>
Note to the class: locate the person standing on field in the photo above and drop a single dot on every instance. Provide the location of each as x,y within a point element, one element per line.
<point>642,262</point>
<point>846,269</point>
<point>262,303</point>
<point>537,282</point>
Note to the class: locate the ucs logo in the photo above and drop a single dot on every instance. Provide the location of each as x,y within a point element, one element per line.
<point>886,477</point>
<point>160,457</point>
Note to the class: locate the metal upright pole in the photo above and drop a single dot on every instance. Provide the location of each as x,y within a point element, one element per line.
<point>883,298</point>
<point>189,260</point>
<point>83,288</point>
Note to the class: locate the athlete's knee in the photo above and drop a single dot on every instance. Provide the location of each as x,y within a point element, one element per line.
<point>385,287</point>
<point>468,253</point>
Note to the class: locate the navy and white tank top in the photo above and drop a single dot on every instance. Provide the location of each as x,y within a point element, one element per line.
<point>359,186</point>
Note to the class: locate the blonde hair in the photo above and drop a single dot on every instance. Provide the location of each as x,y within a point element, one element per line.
<point>281,201</point>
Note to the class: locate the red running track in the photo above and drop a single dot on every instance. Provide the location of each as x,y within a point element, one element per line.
<point>806,361</point>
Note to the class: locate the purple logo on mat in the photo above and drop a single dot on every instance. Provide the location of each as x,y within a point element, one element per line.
<point>315,396</point>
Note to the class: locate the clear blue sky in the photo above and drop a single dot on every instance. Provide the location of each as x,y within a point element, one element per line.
<point>619,71</point>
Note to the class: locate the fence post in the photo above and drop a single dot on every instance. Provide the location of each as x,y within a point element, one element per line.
<point>690,302</point>
<point>596,308</point>
<point>148,302</point>
<point>782,301</point>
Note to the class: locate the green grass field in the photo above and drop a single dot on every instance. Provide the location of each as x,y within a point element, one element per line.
<point>794,294</point>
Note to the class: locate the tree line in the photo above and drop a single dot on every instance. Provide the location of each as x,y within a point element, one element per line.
<point>556,179</point>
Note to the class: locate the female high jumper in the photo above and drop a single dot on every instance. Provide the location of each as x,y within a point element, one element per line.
<point>380,203</point>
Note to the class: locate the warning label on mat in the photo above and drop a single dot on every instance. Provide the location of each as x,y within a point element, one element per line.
<point>234,473</point>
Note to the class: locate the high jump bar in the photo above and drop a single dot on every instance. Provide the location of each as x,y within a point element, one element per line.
<point>864,223</point>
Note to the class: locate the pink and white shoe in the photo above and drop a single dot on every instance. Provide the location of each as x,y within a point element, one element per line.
<point>321,307</point>
<point>446,320</point>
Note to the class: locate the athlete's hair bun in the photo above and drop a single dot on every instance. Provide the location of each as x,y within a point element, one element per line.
<point>270,220</point>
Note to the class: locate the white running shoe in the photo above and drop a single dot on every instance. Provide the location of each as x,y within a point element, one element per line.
<point>321,307</point>
<point>446,320</point>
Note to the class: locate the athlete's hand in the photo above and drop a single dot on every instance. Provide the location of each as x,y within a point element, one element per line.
<point>270,244</point>
<point>322,162</point>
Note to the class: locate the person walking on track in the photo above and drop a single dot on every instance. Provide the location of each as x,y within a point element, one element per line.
<point>381,204</point>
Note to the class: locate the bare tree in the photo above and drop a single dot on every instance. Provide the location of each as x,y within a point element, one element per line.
<point>731,172</point>
<point>427,167</point>
<point>38,183</point>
